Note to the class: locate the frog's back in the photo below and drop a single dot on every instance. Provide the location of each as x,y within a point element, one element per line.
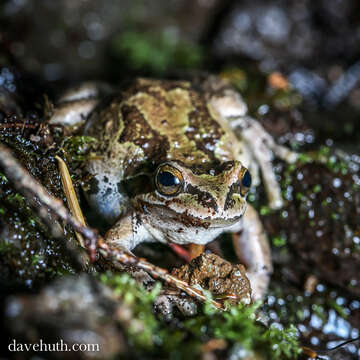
<point>155,120</point>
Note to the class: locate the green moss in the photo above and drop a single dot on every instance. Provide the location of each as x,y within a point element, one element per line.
<point>3,178</point>
<point>236,325</point>
<point>278,241</point>
<point>286,99</point>
<point>77,148</point>
<point>338,308</point>
<point>16,199</point>
<point>283,342</point>
<point>325,155</point>
<point>5,246</point>
<point>292,167</point>
<point>304,158</point>
<point>334,216</point>
<point>324,150</point>
<point>237,77</point>
<point>319,311</point>
<point>325,202</point>
<point>141,332</point>
<point>265,210</point>
<point>156,52</point>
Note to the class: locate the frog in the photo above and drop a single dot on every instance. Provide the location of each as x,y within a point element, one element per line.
<point>174,163</point>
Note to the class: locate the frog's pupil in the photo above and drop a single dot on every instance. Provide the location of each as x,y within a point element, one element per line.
<point>246,180</point>
<point>166,178</point>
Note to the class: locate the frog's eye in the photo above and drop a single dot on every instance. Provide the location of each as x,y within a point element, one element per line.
<point>168,180</point>
<point>245,180</point>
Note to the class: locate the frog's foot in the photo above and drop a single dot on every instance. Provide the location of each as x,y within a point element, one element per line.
<point>252,248</point>
<point>262,147</point>
<point>74,105</point>
<point>259,146</point>
<point>253,129</point>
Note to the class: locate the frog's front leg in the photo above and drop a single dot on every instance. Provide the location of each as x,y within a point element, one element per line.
<point>127,233</point>
<point>253,250</point>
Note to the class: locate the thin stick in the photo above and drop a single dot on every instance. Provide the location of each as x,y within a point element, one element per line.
<point>30,188</point>
<point>315,354</point>
<point>71,196</point>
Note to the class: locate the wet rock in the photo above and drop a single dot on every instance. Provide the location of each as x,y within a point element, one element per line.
<point>74,310</point>
<point>321,222</point>
<point>170,306</point>
<point>218,276</point>
<point>324,319</point>
<point>312,43</point>
<point>29,254</point>
<point>287,126</point>
<point>289,32</point>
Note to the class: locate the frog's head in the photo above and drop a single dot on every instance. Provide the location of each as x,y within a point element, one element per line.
<point>196,197</point>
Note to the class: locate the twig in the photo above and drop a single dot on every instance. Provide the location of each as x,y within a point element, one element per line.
<point>71,196</point>
<point>31,188</point>
<point>316,354</point>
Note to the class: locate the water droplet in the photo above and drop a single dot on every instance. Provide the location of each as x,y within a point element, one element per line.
<point>337,183</point>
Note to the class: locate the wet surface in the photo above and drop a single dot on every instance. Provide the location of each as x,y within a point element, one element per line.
<point>91,320</point>
<point>29,255</point>
<point>315,110</point>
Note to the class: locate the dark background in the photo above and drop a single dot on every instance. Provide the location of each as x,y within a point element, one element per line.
<point>46,46</point>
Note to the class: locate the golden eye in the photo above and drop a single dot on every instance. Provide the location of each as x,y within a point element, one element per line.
<point>168,180</point>
<point>245,180</point>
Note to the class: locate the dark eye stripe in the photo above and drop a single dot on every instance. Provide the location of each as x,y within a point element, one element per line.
<point>229,201</point>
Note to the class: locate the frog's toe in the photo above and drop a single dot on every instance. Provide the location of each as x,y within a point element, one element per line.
<point>259,284</point>
<point>284,153</point>
<point>275,199</point>
<point>253,250</point>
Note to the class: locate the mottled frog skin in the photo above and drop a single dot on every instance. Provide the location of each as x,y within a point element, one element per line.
<point>172,165</point>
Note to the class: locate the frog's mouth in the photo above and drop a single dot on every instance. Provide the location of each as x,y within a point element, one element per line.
<point>207,222</point>
<point>168,215</point>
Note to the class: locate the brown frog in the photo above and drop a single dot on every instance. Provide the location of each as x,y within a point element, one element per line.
<point>173,164</point>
